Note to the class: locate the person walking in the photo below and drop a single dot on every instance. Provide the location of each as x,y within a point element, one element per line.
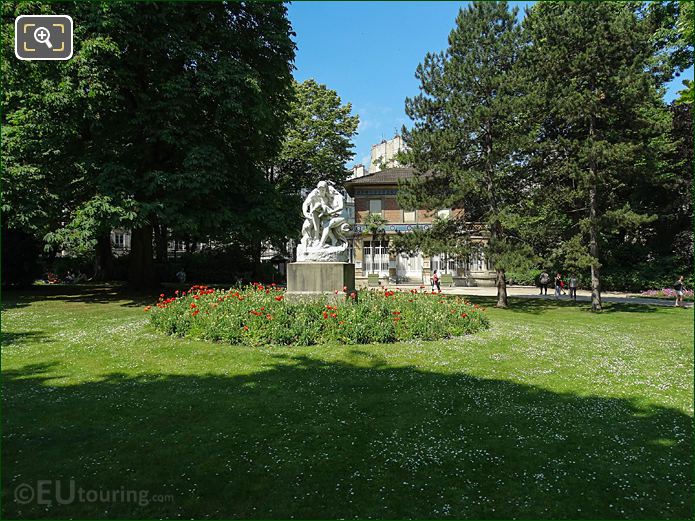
<point>679,286</point>
<point>543,280</point>
<point>573,287</point>
<point>435,282</point>
<point>558,285</point>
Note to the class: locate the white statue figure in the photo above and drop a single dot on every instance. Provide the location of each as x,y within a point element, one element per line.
<point>324,230</point>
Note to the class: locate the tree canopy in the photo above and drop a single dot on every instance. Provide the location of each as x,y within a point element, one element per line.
<point>175,128</point>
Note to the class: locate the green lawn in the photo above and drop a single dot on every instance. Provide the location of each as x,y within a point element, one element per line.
<point>554,412</point>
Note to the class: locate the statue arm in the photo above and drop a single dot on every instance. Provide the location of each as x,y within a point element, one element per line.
<point>340,204</point>
<point>306,206</point>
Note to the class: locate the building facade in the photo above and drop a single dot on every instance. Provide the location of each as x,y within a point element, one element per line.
<point>376,193</point>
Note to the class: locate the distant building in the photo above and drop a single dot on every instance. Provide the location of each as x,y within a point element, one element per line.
<point>120,244</point>
<point>376,193</point>
<point>384,154</point>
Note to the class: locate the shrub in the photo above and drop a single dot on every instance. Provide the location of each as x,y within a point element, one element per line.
<point>260,315</point>
<point>668,293</point>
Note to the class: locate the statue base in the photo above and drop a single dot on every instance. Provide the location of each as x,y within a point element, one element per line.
<point>323,254</point>
<point>313,280</point>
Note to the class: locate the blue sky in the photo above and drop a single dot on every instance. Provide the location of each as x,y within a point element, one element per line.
<point>368,52</point>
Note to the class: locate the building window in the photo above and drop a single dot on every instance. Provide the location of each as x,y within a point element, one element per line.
<point>119,240</point>
<point>409,265</point>
<point>442,263</point>
<point>375,256</point>
<point>443,214</point>
<point>476,261</point>
<point>375,206</point>
<point>408,216</point>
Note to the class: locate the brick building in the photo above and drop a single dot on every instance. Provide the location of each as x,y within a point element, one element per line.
<point>376,193</point>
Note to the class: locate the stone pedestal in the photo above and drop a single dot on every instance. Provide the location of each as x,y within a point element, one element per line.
<point>309,280</point>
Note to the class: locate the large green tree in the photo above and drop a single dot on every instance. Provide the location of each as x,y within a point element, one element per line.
<point>316,145</point>
<point>671,25</point>
<point>603,128</point>
<point>168,112</point>
<point>318,140</point>
<point>467,131</point>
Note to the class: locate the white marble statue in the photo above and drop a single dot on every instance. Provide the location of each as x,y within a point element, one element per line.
<point>324,230</point>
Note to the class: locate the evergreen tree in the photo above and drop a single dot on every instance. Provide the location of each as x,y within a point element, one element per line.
<point>467,132</point>
<point>603,127</point>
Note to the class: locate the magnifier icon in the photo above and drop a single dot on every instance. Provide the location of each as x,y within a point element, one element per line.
<point>42,35</point>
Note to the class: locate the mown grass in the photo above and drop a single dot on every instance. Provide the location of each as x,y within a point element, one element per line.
<point>554,412</point>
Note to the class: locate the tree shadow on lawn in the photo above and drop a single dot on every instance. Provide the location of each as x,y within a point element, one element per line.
<point>22,337</point>
<point>82,293</point>
<point>314,439</point>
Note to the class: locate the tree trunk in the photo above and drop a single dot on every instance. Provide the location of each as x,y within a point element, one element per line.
<point>593,232</point>
<point>103,261</point>
<point>257,252</point>
<point>593,251</point>
<point>162,240</point>
<point>495,228</point>
<point>501,289</point>
<point>141,272</point>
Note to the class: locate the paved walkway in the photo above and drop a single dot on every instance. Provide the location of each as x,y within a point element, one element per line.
<point>532,292</point>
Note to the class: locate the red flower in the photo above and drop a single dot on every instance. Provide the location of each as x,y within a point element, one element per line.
<point>279,298</point>
<point>269,317</point>
<point>353,295</point>
<point>333,315</point>
<point>464,315</point>
<point>148,308</point>
<point>325,315</point>
<point>161,295</point>
<point>196,312</point>
<point>396,312</point>
<point>246,328</point>
<point>176,292</point>
<point>341,322</point>
<point>344,289</point>
<point>192,305</point>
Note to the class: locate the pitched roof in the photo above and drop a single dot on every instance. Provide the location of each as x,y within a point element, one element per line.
<point>387,176</point>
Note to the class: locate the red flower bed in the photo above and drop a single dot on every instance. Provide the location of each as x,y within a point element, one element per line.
<point>259,315</point>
